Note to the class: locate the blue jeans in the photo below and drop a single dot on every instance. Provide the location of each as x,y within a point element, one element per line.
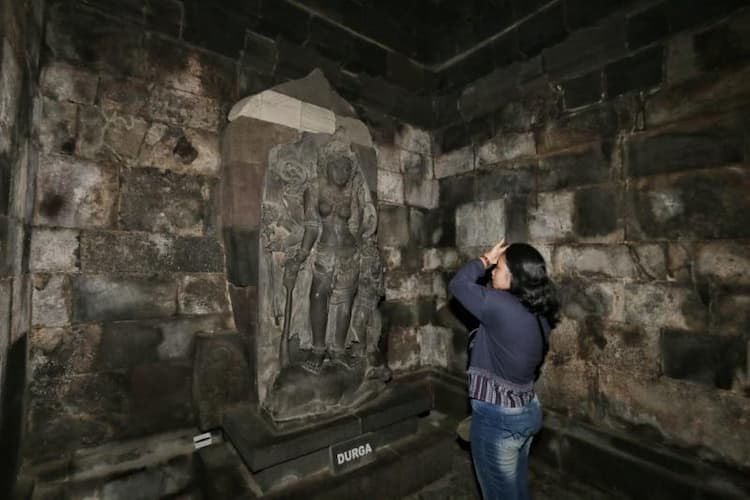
<point>500,442</point>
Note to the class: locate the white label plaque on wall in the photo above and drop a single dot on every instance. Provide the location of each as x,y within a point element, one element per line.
<point>349,455</point>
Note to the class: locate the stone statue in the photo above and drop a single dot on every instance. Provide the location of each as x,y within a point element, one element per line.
<point>319,232</point>
<point>332,222</point>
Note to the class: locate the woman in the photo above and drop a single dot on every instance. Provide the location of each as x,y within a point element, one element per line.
<point>515,316</point>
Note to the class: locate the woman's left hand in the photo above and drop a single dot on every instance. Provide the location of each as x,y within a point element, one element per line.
<point>496,252</point>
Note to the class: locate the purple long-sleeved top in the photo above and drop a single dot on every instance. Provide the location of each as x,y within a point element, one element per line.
<point>508,346</point>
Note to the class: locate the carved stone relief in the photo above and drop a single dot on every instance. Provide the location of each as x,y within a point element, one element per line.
<point>320,281</point>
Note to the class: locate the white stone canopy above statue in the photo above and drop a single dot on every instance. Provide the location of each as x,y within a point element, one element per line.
<point>300,224</point>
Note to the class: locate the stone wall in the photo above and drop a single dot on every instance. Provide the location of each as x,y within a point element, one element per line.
<point>126,247</point>
<point>628,168</point>
<point>20,36</point>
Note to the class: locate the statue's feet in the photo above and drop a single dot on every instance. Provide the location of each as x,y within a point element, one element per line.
<point>314,360</point>
<point>344,358</point>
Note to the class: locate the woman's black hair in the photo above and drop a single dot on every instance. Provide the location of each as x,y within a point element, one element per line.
<point>530,283</point>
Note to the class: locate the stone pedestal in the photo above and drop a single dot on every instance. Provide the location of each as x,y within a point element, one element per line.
<point>278,457</point>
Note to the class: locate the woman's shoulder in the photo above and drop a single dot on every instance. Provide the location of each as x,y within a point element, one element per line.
<point>505,298</point>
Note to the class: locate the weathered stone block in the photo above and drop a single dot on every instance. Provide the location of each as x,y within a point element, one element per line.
<point>416,165</point>
<point>641,71</point>
<point>543,29</point>
<point>100,397</point>
<point>551,218</point>
<point>730,314</point>
<point>455,162</point>
<point>701,358</point>
<point>75,193</point>
<point>589,126</point>
<point>587,48</point>
<point>50,302</point>
<point>564,344</point>
<point>163,406</point>
<point>681,64</point>
<point>404,287</point>
<point>390,187</point>
<point>403,349</point>
<point>203,294</point>
<point>413,139</point>
<point>668,407</point>
<point>727,44</point>
<point>67,83</point>
<point>493,87</point>
<point>594,261</point>
<point>481,223</point>
<point>127,96</point>
<point>101,297</point>
<point>503,182</point>
<point>101,43</point>
<point>138,252</point>
<point>723,263</point>
<point>675,205</point>
<point>682,16</point>
<point>434,346</point>
<point>420,192</point>
<point>597,213</point>
<point>583,90</point>
<point>604,300</point>
<point>650,261</point>
<point>180,150</point>
<point>184,109</point>
<point>393,226</point>
<point>57,127</point>
<point>21,310</point>
<point>248,140</point>
<point>440,227</point>
<point>56,352</point>
<point>568,387</point>
<point>179,333</point>
<point>53,250</point>
<point>172,63</point>
<point>647,26</point>
<point>241,255</point>
<point>629,348</point>
<point>704,95</point>
<point>11,82</point>
<point>684,150</point>
<point>388,157</point>
<point>126,344</point>
<point>570,170</point>
<point>504,147</point>
<point>155,200</point>
<point>456,190</point>
<point>663,305</point>
<point>114,137</point>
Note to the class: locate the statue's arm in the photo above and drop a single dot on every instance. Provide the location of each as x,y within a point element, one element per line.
<point>312,226</point>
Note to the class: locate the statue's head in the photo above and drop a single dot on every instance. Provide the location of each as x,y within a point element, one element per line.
<point>340,170</point>
<point>336,161</point>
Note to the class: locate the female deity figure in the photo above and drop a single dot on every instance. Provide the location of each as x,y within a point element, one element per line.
<point>333,219</point>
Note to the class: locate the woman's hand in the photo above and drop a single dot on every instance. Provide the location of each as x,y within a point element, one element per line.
<point>496,252</point>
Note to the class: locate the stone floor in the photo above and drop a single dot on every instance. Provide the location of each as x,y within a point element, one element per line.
<point>545,484</point>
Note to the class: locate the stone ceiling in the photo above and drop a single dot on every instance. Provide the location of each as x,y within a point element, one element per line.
<point>437,32</point>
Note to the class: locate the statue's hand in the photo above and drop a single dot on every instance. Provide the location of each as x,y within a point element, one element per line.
<point>291,269</point>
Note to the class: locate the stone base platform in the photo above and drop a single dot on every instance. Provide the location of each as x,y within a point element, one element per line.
<point>401,468</point>
<point>280,456</point>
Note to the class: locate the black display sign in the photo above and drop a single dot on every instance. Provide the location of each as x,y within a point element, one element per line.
<point>353,453</point>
